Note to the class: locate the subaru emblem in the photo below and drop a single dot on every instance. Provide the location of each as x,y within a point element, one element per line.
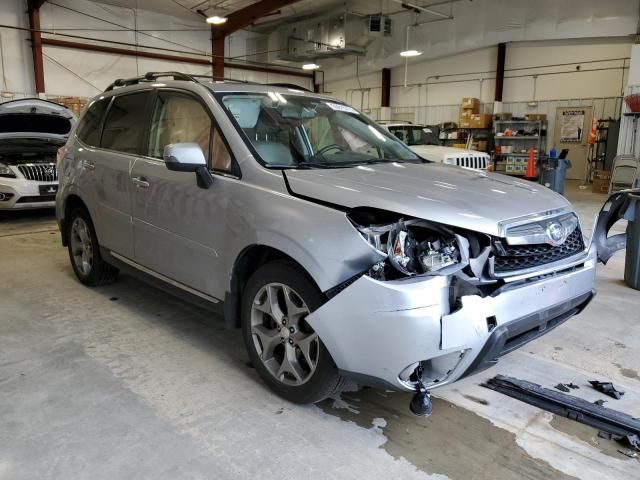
<point>556,233</point>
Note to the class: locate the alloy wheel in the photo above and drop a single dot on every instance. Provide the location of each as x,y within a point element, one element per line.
<point>286,344</point>
<point>81,246</point>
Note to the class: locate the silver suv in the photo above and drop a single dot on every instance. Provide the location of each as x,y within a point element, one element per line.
<point>339,252</point>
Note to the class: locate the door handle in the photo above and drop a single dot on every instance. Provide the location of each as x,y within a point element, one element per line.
<point>140,182</point>
<point>88,165</point>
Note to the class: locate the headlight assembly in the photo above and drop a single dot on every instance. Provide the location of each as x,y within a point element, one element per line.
<point>6,172</point>
<point>414,247</point>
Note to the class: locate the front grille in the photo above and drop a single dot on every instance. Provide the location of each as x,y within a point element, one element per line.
<point>477,162</point>
<point>38,199</point>
<point>512,258</point>
<point>43,172</point>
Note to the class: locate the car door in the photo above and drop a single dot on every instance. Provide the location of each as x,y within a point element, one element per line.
<point>177,223</point>
<point>108,168</point>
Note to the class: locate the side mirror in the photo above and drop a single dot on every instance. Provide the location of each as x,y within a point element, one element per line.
<point>184,157</point>
<point>188,157</point>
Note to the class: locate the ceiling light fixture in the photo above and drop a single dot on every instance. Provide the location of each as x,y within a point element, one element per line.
<point>410,53</point>
<point>310,66</point>
<point>216,20</point>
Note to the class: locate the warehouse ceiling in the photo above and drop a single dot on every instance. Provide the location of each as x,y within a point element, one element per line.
<point>189,9</point>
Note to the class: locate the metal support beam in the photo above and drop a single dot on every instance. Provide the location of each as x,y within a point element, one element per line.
<point>217,53</point>
<point>235,21</point>
<point>36,44</point>
<point>161,56</point>
<point>502,54</point>
<point>386,88</point>
<point>248,15</point>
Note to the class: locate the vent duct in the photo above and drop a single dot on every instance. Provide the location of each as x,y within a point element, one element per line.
<point>331,36</point>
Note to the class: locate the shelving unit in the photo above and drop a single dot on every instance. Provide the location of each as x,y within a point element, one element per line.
<point>515,162</point>
<point>479,134</point>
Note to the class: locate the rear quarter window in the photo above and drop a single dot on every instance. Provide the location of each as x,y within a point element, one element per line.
<point>125,123</point>
<point>88,130</point>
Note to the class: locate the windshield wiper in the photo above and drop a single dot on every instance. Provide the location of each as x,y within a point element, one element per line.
<point>300,165</point>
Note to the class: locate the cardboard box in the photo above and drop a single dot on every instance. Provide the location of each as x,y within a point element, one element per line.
<point>482,145</point>
<point>465,115</point>
<point>535,116</point>
<point>470,103</point>
<point>465,124</point>
<point>459,145</point>
<point>601,179</point>
<point>481,120</point>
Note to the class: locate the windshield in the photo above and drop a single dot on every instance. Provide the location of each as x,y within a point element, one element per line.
<point>295,131</point>
<point>415,134</point>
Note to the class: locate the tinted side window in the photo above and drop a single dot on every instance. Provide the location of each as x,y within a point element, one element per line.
<point>178,118</point>
<point>125,123</point>
<point>89,127</point>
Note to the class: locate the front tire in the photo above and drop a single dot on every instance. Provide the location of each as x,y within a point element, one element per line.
<point>84,251</point>
<point>286,352</point>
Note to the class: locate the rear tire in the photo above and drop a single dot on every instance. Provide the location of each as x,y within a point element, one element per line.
<point>84,251</point>
<point>285,351</point>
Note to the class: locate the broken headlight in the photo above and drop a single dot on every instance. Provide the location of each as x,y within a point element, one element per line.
<point>414,247</point>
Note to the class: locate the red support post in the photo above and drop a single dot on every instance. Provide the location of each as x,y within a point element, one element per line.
<point>36,44</point>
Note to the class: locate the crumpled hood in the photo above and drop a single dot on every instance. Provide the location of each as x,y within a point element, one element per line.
<point>438,152</point>
<point>450,195</point>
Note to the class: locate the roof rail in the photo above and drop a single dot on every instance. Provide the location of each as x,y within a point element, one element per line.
<point>289,85</point>
<point>153,76</point>
<point>150,77</point>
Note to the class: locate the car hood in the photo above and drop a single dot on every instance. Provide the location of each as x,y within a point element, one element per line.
<point>468,199</point>
<point>31,118</point>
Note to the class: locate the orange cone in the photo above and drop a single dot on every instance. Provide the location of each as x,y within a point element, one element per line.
<point>531,165</point>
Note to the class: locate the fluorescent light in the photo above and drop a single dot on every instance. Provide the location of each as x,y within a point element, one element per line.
<point>216,20</point>
<point>310,66</point>
<point>410,53</point>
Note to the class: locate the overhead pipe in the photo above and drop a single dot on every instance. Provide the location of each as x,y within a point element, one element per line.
<point>172,58</point>
<point>422,9</point>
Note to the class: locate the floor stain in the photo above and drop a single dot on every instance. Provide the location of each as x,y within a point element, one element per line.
<point>481,401</point>
<point>558,349</point>
<point>587,434</point>
<point>627,372</point>
<point>454,441</point>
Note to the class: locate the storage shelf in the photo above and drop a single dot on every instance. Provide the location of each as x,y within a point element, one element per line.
<point>518,121</point>
<point>518,137</point>
<point>535,154</point>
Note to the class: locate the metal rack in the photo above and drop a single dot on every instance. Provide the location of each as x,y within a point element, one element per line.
<point>477,133</point>
<point>515,162</point>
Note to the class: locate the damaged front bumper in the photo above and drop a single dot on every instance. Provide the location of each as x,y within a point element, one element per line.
<point>378,332</point>
<point>388,332</point>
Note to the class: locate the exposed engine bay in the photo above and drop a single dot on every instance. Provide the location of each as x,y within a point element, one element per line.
<point>414,247</point>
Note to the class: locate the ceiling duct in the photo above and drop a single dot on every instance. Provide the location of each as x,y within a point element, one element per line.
<point>331,36</point>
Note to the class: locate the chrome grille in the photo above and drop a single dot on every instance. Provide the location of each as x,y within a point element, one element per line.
<point>478,162</point>
<point>40,172</point>
<point>513,258</point>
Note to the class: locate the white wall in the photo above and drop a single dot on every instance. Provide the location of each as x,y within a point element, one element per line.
<point>16,51</point>
<point>441,83</point>
<point>84,73</point>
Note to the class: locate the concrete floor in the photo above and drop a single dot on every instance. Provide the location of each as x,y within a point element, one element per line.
<point>126,382</point>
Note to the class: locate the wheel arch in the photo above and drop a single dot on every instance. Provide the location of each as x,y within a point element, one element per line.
<point>71,202</point>
<point>248,261</point>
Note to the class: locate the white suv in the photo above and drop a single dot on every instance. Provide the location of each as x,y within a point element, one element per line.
<point>422,141</point>
<point>31,131</point>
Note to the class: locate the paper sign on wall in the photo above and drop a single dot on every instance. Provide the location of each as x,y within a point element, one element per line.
<point>572,126</point>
